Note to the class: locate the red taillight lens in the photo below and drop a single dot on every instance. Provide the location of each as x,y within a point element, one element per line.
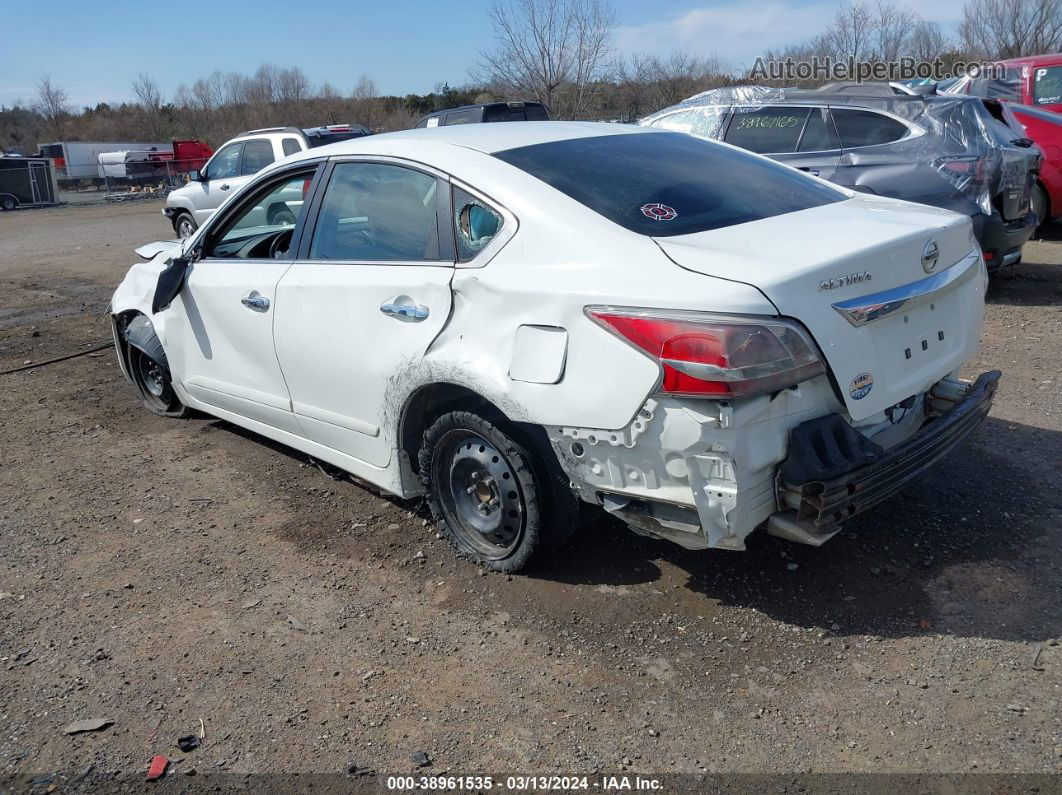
<point>703,355</point>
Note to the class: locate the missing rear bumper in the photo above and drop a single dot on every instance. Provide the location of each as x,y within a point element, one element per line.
<point>832,476</point>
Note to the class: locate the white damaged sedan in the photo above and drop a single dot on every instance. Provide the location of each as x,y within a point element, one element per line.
<point>511,318</point>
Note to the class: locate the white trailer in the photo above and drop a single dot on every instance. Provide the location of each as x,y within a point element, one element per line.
<point>80,159</point>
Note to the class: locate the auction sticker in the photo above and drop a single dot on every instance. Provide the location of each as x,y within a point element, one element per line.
<point>861,386</point>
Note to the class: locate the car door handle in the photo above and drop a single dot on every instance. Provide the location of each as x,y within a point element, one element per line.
<point>255,301</point>
<point>224,187</point>
<point>414,312</point>
<point>813,171</point>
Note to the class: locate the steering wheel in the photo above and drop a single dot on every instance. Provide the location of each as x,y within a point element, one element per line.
<point>278,249</point>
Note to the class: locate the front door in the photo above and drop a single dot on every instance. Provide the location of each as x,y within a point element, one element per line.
<point>217,181</point>
<point>366,298</point>
<point>223,354</point>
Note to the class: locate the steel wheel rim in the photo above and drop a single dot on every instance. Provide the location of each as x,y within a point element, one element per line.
<point>184,228</point>
<point>479,495</point>
<point>150,379</point>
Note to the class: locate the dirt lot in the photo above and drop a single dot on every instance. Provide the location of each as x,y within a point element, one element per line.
<point>157,573</point>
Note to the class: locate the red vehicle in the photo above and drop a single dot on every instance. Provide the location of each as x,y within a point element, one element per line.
<point>1045,128</point>
<point>1035,80</point>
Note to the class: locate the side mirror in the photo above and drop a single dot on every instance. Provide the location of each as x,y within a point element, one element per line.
<point>195,176</point>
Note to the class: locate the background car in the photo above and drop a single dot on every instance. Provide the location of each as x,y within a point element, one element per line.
<point>486,113</point>
<point>237,161</point>
<point>510,318</point>
<point>1045,128</point>
<point>945,152</point>
<point>1036,80</point>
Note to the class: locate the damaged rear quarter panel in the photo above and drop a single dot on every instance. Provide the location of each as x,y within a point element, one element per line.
<point>563,258</point>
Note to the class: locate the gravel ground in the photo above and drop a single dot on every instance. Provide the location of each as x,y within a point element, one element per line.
<point>159,573</point>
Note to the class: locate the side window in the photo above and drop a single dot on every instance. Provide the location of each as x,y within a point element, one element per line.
<point>256,156</point>
<point>263,227</point>
<point>461,117</point>
<point>226,163</point>
<point>1047,86</point>
<point>770,130</point>
<point>865,128</point>
<point>704,122</point>
<point>818,133</point>
<point>377,212</point>
<point>291,146</point>
<point>475,224</point>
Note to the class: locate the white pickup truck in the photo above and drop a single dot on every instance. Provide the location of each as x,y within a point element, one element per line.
<point>239,160</point>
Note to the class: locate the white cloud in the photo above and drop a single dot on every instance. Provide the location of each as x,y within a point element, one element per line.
<point>739,32</point>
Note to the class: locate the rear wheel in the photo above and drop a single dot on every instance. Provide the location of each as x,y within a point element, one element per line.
<point>1038,204</point>
<point>185,225</point>
<point>152,380</point>
<point>497,501</point>
<point>8,203</point>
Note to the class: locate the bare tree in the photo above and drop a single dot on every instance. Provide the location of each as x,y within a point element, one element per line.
<point>926,41</point>
<point>331,103</point>
<point>1011,28</point>
<point>365,101</point>
<point>892,30</point>
<point>851,33</point>
<point>554,50</point>
<point>292,86</point>
<point>147,93</point>
<point>53,103</point>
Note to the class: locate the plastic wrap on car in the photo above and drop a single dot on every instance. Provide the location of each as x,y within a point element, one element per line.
<point>964,143</point>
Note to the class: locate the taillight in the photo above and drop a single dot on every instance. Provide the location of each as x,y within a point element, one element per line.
<point>704,355</point>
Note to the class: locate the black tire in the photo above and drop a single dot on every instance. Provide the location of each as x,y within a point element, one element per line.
<point>498,499</point>
<point>152,381</point>
<point>8,203</point>
<point>1040,205</point>
<point>184,225</point>
<point>275,216</point>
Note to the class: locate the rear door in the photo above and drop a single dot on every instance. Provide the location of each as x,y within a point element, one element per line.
<point>870,163</point>
<point>798,136</point>
<point>367,295</point>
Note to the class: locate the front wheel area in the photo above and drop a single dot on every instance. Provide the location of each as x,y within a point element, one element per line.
<point>184,225</point>
<point>496,499</point>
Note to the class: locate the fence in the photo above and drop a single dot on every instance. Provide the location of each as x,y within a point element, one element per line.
<point>157,174</point>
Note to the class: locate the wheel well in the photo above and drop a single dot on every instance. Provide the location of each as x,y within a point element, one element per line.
<point>430,402</point>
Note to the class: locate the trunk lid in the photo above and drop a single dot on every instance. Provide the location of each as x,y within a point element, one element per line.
<point>859,254</point>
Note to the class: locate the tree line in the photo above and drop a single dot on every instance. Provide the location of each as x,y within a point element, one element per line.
<point>558,52</point>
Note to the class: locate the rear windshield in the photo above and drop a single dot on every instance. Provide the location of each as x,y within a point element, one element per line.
<point>665,184</point>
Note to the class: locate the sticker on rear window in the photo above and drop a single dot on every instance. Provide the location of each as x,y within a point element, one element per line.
<point>861,386</point>
<point>659,212</point>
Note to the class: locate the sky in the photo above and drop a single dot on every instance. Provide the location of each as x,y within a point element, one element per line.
<point>95,50</point>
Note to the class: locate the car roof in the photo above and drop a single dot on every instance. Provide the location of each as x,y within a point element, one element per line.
<point>1035,60</point>
<point>486,138</point>
<point>516,104</point>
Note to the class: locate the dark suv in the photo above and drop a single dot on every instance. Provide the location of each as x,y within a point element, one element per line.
<point>488,112</point>
<point>943,151</point>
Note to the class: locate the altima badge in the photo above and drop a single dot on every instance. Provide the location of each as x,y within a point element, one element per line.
<point>930,255</point>
<point>844,281</point>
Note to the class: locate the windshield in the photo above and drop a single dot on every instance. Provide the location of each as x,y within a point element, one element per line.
<point>1047,86</point>
<point>665,184</point>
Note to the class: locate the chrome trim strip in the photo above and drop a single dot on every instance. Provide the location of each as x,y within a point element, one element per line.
<point>868,308</point>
